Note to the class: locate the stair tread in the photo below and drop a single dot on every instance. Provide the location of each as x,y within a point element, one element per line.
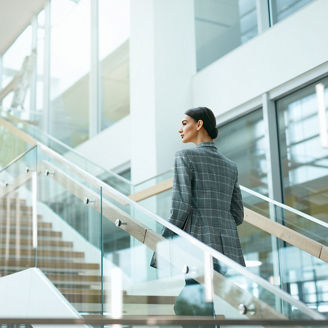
<point>127,299</point>
<point>48,264</point>
<point>41,242</point>
<point>41,252</point>
<point>23,230</point>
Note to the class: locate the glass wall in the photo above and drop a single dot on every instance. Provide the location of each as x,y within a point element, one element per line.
<point>303,139</point>
<point>243,141</point>
<point>17,60</point>
<point>70,67</point>
<point>114,32</point>
<point>40,46</point>
<point>222,26</point>
<point>281,9</point>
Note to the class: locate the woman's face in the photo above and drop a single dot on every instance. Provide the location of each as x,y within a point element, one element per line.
<point>188,130</point>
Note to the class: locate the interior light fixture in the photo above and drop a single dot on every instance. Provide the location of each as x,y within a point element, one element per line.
<point>253,263</point>
<point>320,90</point>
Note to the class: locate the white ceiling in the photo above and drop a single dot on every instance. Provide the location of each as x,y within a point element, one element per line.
<point>15,15</point>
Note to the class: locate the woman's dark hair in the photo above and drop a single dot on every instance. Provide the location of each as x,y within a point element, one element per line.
<point>207,116</point>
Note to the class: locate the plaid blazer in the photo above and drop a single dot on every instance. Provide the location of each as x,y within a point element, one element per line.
<point>206,191</point>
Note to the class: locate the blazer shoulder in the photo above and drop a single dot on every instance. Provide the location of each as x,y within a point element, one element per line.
<point>186,153</point>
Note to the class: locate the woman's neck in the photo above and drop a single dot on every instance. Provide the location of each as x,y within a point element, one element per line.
<point>201,138</point>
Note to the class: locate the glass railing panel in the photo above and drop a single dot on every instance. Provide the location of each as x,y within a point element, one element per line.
<point>70,254</point>
<point>10,146</point>
<point>298,270</point>
<point>153,181</point>
<point>146,290</point>
<point>306,225</point>
<point>116,181</point>
<point>17,247</point>
<point>174,255</point>
<point>266,256</point>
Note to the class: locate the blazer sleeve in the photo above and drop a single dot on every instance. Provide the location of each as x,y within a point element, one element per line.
<point>181,192</point>
<point>237,207</point>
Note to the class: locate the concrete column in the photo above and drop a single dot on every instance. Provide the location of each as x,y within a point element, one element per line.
<point>162,63</point>
<point>94,84</point>
<point>46,68</point>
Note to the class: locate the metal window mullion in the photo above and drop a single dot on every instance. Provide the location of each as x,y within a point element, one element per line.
<point>94,81</point>
<point>273,156</point>
<point>274,186</point>
<point>46,68</point>
<point>272,9</point>
<point>263,16</point>
<point>33,84</point>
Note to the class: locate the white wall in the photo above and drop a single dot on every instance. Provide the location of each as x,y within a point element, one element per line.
<point>30,294</point>
<point>162,62</point>
<point>111,147</point>
<point>164,82</point>
<point>280,54</point>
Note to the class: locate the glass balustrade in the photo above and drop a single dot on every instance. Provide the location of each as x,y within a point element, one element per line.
<point>97,246</point>
<point>18,243</point>
<point>11,146</point>
<point>271,253</point>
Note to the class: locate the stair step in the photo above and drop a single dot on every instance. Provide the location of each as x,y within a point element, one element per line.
<point>3,201</point>
<point>76,278</point>
<point>42,253</point>
<point>41,242</point>
<point>24,224</point>
<point>4,207</point>
<point>91,297</point>
<point>22,217</point>
<point>24,231</point>
<point>47,264</point>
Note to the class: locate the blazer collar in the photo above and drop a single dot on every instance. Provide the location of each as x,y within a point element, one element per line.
<point>207,144</point>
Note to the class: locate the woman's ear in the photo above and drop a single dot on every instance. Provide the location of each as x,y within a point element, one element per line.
<point>200,124</point>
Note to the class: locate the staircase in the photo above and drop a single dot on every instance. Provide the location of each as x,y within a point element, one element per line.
<point>82,281</point>
<point>78,280</point>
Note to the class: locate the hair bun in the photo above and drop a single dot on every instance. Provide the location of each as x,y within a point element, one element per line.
<point>214,133</point>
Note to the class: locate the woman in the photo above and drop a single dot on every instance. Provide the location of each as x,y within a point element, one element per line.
<point>206,198</point>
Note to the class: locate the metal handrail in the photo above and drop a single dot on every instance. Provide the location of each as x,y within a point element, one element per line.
<point>286,207</point>
<point>17,158</point>
<point>69,149</point>
<point>72,150</point>
<point>265,198</point>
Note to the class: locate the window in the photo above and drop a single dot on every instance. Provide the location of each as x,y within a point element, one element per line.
<point>243,141</point>
<point>114,33</point>
<point>222,26</point>
<point>281,9</point>
<point>302,118</point>
<point>70,68</point>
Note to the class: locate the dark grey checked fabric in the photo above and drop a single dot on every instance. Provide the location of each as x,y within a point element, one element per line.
<point>206,191</point>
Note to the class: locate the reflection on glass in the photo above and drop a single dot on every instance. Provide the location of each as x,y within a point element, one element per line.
<point>243,141</point>
<point>114,25</point>
<point>17,60</point>
<point>222,26</point>
<point>37,112</point>
<point>11,146</point>
<point>70,249</point>
<point>70,67</point>
<point>283,8</point>
<point>304,160</point>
